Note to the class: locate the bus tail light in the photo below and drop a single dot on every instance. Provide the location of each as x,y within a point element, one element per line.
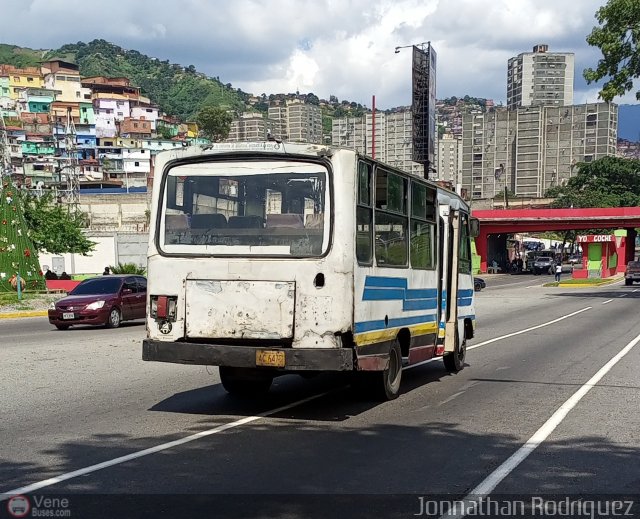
<point>164,307</point>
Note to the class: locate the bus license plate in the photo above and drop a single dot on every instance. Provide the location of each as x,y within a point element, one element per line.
<point>68,315</point>
<point>274,359</point>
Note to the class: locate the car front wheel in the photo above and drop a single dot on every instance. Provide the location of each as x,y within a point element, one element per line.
<point>114,318</point>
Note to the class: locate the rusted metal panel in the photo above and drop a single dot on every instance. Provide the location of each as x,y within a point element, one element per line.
<point>240,309</point>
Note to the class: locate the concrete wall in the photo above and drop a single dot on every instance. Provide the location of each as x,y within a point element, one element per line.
<point>111,249</point>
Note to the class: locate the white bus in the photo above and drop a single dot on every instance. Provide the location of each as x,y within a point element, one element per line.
<point>271,258</point>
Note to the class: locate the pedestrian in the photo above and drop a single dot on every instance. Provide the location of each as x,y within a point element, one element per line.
<point>558,271</point>
<point>65,276</point>
<point>49,274</point>
<point>106,272</point>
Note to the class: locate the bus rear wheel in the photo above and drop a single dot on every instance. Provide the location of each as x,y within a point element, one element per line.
<point>244,381</point>
<point>381,385</point>
<point>454,361</point>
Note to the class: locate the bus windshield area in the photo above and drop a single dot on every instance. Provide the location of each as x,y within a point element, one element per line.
<point>274,208</point>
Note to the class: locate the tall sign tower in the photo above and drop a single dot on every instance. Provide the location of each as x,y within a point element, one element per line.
<point>423,106</point>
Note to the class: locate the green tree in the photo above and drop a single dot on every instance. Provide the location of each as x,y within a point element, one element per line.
<point>18,255</point>
<point>617,37</point>
<point>606,182</point>
<point>53,227</point>
<point>214,123</point>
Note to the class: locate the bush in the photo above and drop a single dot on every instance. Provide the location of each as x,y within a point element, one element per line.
<point>128,268</point>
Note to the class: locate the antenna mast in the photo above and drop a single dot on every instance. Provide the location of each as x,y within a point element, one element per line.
<point>72,193</point>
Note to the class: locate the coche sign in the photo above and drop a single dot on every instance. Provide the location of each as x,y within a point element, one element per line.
<point>596,238</point>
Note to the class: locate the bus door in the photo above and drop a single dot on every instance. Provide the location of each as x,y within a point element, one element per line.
<point>452,260</point>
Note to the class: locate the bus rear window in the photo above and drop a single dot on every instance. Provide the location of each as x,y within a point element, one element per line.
<point>255,208</point>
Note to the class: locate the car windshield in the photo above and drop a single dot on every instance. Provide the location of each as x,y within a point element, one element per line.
<point>104,285</point>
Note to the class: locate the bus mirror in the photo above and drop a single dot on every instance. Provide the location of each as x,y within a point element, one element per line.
<point>474,227</point>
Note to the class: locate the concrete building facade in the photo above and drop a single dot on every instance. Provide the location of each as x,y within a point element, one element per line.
<point>540,78</point>
<point>393,138</point>
<point>450,159</point>
<point>532,149</point>
<point>296,121</point>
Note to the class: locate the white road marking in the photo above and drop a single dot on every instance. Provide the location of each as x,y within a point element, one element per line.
<point>528,329</point>
<point>158,448</point>
<point>635,289</point>
<point>493,480</point>
<point>533,286</point>
<point>607,301</point>
<point>151,450</point>
<point>624,295</point>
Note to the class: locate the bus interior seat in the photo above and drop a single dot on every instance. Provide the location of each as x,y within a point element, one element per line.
<point>285,220</point>
<point>176,222</point>
<point>208,221</point>
<point>246,222</point>
<point>314,221</point>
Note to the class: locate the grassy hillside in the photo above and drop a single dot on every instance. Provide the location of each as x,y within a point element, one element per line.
<point>179,90</point>
<point>20,56</point>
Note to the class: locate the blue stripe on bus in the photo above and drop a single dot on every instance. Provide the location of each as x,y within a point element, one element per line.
<point>422,293</point>
<point>465,301</point>
<point>369,326</point>
<point>385,282</point>
<point>383,294</point>
<point>419,304</point>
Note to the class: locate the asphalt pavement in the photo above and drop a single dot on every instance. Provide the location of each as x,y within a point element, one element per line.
<point>83,416</point>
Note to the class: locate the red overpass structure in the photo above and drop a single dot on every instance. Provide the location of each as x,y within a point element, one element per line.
<point>511,221</point>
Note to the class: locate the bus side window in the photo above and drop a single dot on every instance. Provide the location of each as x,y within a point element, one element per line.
<point>364,216</point>
<point>391,219</point>
<point>465,246</point>
<point>422,237</point>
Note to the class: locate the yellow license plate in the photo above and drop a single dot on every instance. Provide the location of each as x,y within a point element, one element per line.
<point>274,359</point>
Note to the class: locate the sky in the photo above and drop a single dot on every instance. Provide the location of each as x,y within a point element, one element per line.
<point>343,48</point>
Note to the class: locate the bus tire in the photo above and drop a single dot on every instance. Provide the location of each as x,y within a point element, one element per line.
<point>454,361</point>
<point>389,386</point>
<point>380,385</point>
<point>244,382</point>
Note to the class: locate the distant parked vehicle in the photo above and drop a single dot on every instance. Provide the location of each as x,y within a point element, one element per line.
<point>543,264</point>
<point>574,259</point>
<point>632,273</point>
<point>104,300</point>
<point>479,284</point>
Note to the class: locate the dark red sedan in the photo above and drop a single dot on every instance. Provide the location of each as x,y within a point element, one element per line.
<point>105,300</point>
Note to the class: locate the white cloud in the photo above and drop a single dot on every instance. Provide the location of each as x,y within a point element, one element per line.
<point>339,47</point>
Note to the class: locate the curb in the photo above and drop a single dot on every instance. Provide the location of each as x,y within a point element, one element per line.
<point>27,313</point>
<point>583,285</point>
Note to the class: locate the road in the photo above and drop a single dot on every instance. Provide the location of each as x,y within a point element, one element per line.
<point>80,409</point>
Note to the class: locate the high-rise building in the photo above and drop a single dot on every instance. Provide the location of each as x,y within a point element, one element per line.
<point>529,150</point>
<point>296,121</point>
<point>540,78</point>
<point>450,158</point>
<point>393,138</point>
<point>253,127</point>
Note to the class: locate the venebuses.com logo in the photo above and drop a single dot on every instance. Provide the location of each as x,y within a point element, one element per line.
<point>18,506</point>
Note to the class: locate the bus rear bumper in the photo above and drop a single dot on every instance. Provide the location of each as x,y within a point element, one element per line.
<point>320,359</point>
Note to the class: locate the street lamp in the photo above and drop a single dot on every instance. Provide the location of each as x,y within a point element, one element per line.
<point>421,46</point>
